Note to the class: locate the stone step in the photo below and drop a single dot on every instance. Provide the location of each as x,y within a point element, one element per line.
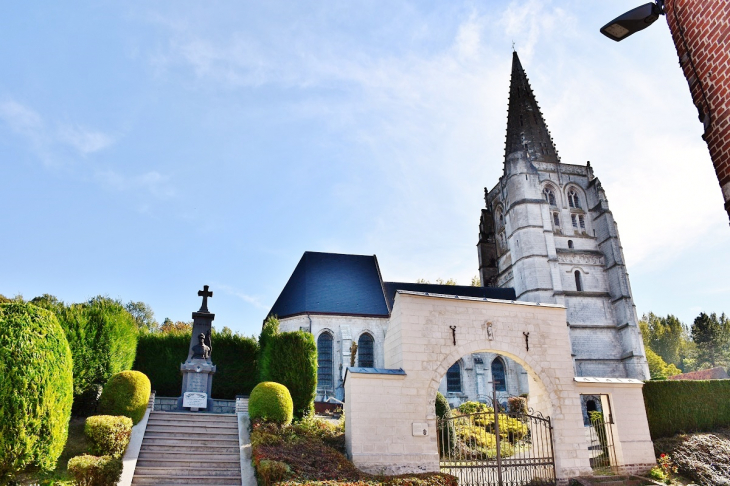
<point>193,415</point>
<point>188,455</point>
<point>172,472</point>
<point>197,480</point>
<point>159,439</point>
<point>180,423</point>
<point>172,446</point>
<point>193,432</point>
<point>233,464</point>
<point>182,416</point>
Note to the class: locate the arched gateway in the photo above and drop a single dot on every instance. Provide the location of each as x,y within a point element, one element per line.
<point>389,412</point>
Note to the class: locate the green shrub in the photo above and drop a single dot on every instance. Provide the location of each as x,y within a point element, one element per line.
<point>95,471</point>
<point>290,358</point>
<point>446,434</point>
<point>159,356</point>
<point>271,472</point>
<point>102,335</point>
<point>443,409</point>
<point>509,428</point>
<point>467,408</point>
<point>675,406</point>
<point>109,434</point>
<point>126,393</point>
<point>36,388</point>
<point>272,402</point>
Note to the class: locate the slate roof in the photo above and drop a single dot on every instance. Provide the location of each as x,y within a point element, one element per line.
<point>339,284</point>
<point>332,283</point>
<point>462,290</point>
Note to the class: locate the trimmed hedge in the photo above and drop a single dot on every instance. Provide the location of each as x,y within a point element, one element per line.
<point>102,335</point>
<point>95,471</point>
<point>109,434</point>
<point>126,393</point>
<point>36,388</point>
<point>291,359</point>
<point>159,356</point>
<point>271,402</point>
<point>684,406</point>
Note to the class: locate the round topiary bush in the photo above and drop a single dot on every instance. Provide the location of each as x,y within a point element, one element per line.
<point>109,434</point>
<point>36,388</point>
<point>126,393</point>
<point>271,402</point>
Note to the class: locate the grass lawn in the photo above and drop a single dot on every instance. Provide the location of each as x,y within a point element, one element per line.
<point>76,445</point>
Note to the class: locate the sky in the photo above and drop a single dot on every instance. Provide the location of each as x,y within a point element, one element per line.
<point>149,148</point>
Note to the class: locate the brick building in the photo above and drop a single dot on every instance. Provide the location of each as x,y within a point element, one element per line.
<point>701,33</point>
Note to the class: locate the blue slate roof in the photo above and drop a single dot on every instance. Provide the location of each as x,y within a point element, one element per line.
<point>333,283</point>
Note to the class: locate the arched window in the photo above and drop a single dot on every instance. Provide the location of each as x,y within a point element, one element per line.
<point>324,362</point>
<point>549,196</point>
<point>582,222</point>
<point>573,199</point>
<point>500,384</point>
<point>574,220</point>
<point>453,378</point>
<point>500,217</point>
<point>570,243</point>
<point>556,219</point>
<point>578,282</point>
<point>365,356</point>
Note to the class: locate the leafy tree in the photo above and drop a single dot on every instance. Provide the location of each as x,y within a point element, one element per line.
<point>143,316</point>
<point>48,301</point>
<point>666,336</point>
<point>658,369</point>
<point>168,326</point>
<point>4,300</point>
<point>476,281</point>
<point>710,335</point>
<point>268,332</point>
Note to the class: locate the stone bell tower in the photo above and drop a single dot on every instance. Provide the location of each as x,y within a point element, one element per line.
<point>547,231</point>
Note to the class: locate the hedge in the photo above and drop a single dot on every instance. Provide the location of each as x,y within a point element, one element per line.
<point>683,406</point>
<point>126,393</point>
<point>291,359</point>
<point>95,471</point>
<point>102,335</point>
<point>271,402</point>
<point>36,388</point>
<point>159,356</point>
<point>109,434</point>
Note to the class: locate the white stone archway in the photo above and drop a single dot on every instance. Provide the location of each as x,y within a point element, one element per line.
<point>388,410</point>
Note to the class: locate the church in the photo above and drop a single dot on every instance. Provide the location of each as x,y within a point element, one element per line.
<point>546,236</point>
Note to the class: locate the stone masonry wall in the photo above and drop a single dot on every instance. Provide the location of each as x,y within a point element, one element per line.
<point>701,33</point>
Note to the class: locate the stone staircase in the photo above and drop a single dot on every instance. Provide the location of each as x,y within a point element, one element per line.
<point>189,448</point>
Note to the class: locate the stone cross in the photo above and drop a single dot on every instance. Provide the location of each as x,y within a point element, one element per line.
<point>204,294</point>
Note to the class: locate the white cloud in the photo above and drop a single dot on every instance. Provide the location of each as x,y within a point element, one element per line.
<point>153,182</point>
<point>51,145</point>
<point>254,301</point>
<point>86,141</point>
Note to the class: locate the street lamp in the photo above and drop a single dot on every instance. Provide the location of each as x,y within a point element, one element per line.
<point>633,21</point>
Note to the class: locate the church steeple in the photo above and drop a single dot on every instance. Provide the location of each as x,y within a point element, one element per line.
<point>526,128</point>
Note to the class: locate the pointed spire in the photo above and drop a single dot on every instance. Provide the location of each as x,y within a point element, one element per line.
<point>526,128</point>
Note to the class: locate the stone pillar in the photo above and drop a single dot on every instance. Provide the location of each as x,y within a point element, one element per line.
<point>198,372</point>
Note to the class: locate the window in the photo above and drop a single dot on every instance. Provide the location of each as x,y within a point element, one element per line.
<point>324,362</point>
<point>573,199</point>
<point>498,375</point>
<point>453,378</point>
<point>570,243</point>
<point>549,196</point>
<point>556,219</point>
<point>574,220</point>
<point>365,356</point>
<point>500,217</point>
<point>582,222</point>
<point>578,282</point>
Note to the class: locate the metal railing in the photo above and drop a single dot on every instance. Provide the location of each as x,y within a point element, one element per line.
<point>496,447</point>
<point>601,448</point>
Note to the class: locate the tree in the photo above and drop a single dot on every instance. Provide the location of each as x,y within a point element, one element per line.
<point>658,369</point>
<point>48,301</point>
<point>666,336</point>
<point>143,316</point>
<point>710,335</point>
<point>476,281</point>
<point>168,326</point>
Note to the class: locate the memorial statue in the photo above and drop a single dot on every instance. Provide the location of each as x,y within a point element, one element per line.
<point>203,348</point>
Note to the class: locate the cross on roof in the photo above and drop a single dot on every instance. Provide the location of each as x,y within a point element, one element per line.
<point>204,294</point>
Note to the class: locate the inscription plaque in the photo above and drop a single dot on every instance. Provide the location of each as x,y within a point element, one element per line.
<point>195,400</point>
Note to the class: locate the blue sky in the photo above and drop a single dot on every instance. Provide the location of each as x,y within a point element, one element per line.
<point>149,148</point>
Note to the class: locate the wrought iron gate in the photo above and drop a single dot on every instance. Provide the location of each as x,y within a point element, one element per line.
<point>496,447</point>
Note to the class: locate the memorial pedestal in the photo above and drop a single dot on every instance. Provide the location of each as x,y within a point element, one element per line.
<point>197,381</point>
